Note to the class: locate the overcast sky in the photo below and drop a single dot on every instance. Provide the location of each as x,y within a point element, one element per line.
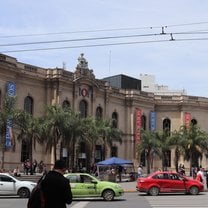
<point>116,36</point>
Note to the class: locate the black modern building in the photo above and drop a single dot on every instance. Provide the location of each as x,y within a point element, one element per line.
<point>124,82</point>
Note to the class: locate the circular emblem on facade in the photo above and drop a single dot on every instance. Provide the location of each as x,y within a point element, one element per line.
<point>84,92</point>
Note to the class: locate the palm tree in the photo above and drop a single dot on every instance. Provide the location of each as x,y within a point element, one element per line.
<point>6,115</point>
<point>109,134</point>
<point>53,127</point>
<point>195,143</point>
<point>163,139</point>
<point>90,134</point>
<point>148,144</point>
<point>29,131</point>
<point>71,133</point>
<point>176,142</point>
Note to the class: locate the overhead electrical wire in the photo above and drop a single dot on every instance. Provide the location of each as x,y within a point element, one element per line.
<point>104,30</point>
<point>105,44</point>
<point>162,33</point>
<point>104,38</point>
<point>83,46</point>
<point>78,39</point>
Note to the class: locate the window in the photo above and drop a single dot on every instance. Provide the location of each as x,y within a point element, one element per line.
<point>143,122</point>
<point>167,154</point>
<point>115,120</point>
<point>66,104</point>
<point>73,178</point>
<point>114,151</point>
<point>193,122</point>
<point>25,151</point>
<point>98,153</point>
<point>99,113</point>
<point>85,179</point>
<point>167,125</point>
<point>83,108</point>
<point>28,107</point>
<point>143,158</point>
<point>174,176</point>
<point>82,147</point>
<point>28,104</point>
<point>6,179</point>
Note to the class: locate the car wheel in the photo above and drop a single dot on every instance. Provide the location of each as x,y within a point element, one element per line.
<point>194,190</point>
<point>24,193</point>
<point>154,191</point>
<point>108,195</point>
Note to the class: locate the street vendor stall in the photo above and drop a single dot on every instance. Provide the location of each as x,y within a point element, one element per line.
<point>115,169</point>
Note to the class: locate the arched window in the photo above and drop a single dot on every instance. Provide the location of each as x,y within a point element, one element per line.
<point>167,125</point>
<point>167,153</point>
<point>28,107</point>
<point>99,113</point>
<point>66,104</point>
<point>24,151</point>
<point>143,122</point>
<point>143,158</point>
<point>83,108</point>
<point>114,151</point>
<point>194,122</point>
<point>28,104</point>
<point>115,120</point>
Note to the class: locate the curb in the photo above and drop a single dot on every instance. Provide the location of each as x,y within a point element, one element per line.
<point>130,191</point>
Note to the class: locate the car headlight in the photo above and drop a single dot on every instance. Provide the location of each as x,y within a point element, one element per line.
<point>33,184</point>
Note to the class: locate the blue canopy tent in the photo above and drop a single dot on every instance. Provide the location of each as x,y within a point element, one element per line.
<point>115,161</point>
<point>112,163</point>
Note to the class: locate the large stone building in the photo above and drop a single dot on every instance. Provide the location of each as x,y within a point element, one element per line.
<point>37,87</point>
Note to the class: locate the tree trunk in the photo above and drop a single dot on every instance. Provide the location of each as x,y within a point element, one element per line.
<point>3,145</point>
<point>93,154</point>
<point>2,157</point>
<point>148,162</point>
<point>30,155</point>
<point>176,159</point>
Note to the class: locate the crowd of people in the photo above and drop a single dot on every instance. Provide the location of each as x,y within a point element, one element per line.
<point>34,167</point>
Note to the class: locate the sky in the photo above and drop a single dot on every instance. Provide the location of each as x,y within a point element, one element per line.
<point>167,39</point>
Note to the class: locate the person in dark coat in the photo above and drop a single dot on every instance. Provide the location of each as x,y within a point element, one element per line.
<point>56,188</point>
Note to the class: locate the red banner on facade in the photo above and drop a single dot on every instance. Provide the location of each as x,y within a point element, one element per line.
<point>187,119</point>
<point>138,125</point>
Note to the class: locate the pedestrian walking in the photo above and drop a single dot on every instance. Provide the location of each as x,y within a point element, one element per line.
<point>56,188</point>
<point>140,171</point>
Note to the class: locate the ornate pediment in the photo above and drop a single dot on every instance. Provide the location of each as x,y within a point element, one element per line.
<point>82,69</point>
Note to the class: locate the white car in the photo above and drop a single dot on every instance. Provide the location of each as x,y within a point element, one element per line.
<point>9,185</point>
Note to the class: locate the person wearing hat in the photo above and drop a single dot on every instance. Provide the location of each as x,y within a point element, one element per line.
<point>56,188</point>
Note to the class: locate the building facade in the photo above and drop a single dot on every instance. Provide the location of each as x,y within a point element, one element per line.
<point>132,109</point>
<point>149,85</point>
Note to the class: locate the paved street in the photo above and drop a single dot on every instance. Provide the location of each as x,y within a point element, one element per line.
<point>130,199</point>
<point>180,200</point>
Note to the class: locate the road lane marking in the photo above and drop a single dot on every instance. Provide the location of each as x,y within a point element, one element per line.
<point>80,205</point>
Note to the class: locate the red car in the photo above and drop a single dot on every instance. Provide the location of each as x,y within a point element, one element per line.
<point>168,182</point>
